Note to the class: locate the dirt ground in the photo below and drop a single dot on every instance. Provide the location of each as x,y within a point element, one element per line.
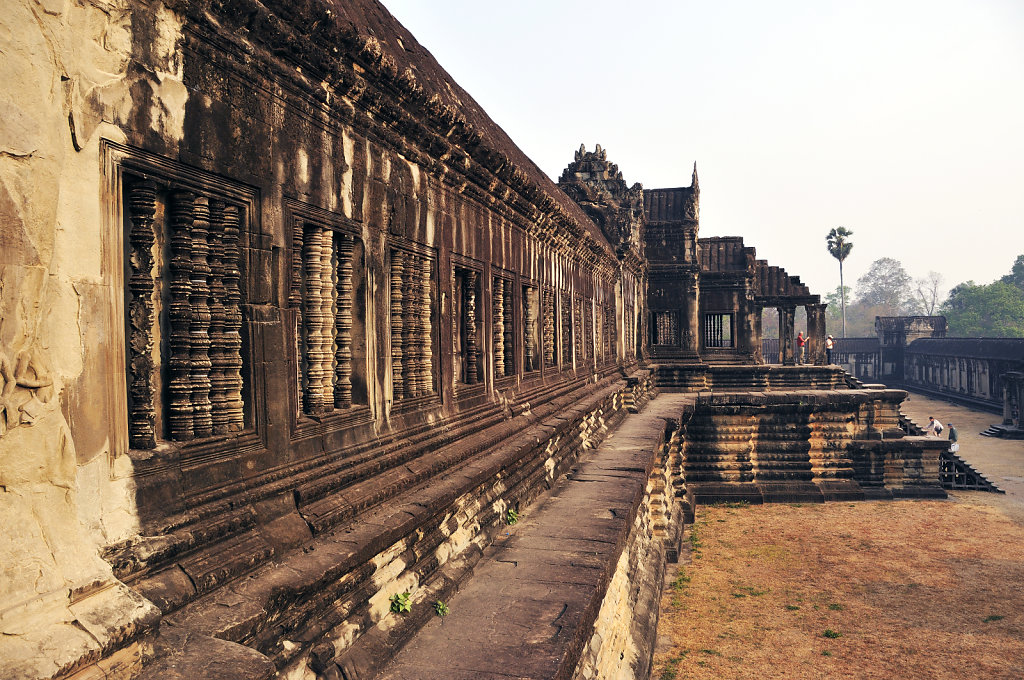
<point>905,589</point>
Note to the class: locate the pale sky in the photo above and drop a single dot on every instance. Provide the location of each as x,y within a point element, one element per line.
<point>902,120</point>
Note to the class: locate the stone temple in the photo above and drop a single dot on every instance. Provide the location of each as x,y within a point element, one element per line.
<point>290,328</point>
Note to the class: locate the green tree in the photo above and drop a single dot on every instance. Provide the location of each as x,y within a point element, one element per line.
<point>993,310</point>
<point>886,285</point>
<point>839,247</point>
<point>1016,275</point>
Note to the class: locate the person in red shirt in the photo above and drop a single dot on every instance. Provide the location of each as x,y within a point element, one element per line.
<point>800,342</point>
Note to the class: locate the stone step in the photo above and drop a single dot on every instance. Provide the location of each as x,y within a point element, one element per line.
<point>283,606</point>
<point>533,600</point>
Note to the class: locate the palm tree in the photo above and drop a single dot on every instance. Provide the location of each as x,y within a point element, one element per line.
<point>839,247</point>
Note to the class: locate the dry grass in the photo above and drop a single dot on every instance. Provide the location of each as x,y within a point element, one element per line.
<point>848,590</point>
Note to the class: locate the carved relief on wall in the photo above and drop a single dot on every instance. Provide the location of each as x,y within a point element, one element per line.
<point>26,388</point>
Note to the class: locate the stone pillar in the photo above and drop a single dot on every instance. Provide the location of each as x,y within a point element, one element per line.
<point>755,336</point>
<point>786,321</point>
<point>746,329</point>
<point>691,326</point>
<point>816,334</point>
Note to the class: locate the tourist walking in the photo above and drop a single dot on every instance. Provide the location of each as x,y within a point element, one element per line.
<point>800,342</point>
<point>954,438</point>
<point>829,344</point>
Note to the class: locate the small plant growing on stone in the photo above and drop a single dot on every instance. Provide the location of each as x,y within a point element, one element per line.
<point>792,607</point>
<point>511,516</point>
<point>992,617</point>
<point>401,603</point>
<point>682,580</point>
<point>825,652</point>
<point>832,634</point>
<point>440,608</point>
<point>836,607</point>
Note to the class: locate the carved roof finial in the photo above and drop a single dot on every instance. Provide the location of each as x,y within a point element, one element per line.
<point>693,182</point>
<point>583,150</point>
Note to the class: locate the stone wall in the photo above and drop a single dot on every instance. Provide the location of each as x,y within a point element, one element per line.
<point>969,371</point>
<point>259,260</point>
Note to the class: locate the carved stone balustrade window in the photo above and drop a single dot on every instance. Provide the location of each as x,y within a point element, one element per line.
<point>468,326</point>
<point>412,324</point>
<point>665,328</point>
<point>718,330</point>
<point>327,294</point>
<point>609,333</point>
<point>588,330</point>
<point>531,329</point>
<point>566,305</point>
<point>184,300</point>
<point>504,348</point>
<point>549,336</point>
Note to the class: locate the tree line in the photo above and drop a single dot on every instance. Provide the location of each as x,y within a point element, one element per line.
<point>972,310</point>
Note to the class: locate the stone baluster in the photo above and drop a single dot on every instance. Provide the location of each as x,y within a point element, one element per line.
<point>327,330</point>
<point>509,354</point>
<point>343,322</point>
<point>499,327</point>
<point>426,354</point>
<point>397,269</point>
<point>315,319</point>
<point>410,326</point>
<point>566,331</point>
<point>472,373</point>
<point>199,326</point>
<point>588,329</point>
<point>141,410</point>
<point>549,328</point>
<point>218,349</point>
<point>530,328</point>
<point>179,315</point>
<point>295,302</point>
<point>232,320</point>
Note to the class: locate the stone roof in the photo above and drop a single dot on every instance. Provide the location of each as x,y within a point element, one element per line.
<point>1011,349</point>
<point>388,45</point>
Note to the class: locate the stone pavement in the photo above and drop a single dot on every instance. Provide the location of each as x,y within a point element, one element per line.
<point>1001,460</point>
<point>527,610</point>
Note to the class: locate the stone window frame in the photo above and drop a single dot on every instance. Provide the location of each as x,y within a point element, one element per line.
<point>408,359</point>
<point>713,328</point>
<point>300,216</point>
<point>120,164</point>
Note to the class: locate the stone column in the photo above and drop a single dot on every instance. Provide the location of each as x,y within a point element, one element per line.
<point>755,336</point>
<point>786,321</point>
<point>691,325</point>
<point>746,327</point>
<point>816,334</point>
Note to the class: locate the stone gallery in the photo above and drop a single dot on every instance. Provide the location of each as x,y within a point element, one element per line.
<point>292,333</point>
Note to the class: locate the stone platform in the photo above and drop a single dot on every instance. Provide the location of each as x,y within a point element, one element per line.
<point>572,589</point>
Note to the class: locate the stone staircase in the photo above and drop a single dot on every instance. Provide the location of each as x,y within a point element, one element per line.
<point>955,473</point>
<point>803,446</point>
